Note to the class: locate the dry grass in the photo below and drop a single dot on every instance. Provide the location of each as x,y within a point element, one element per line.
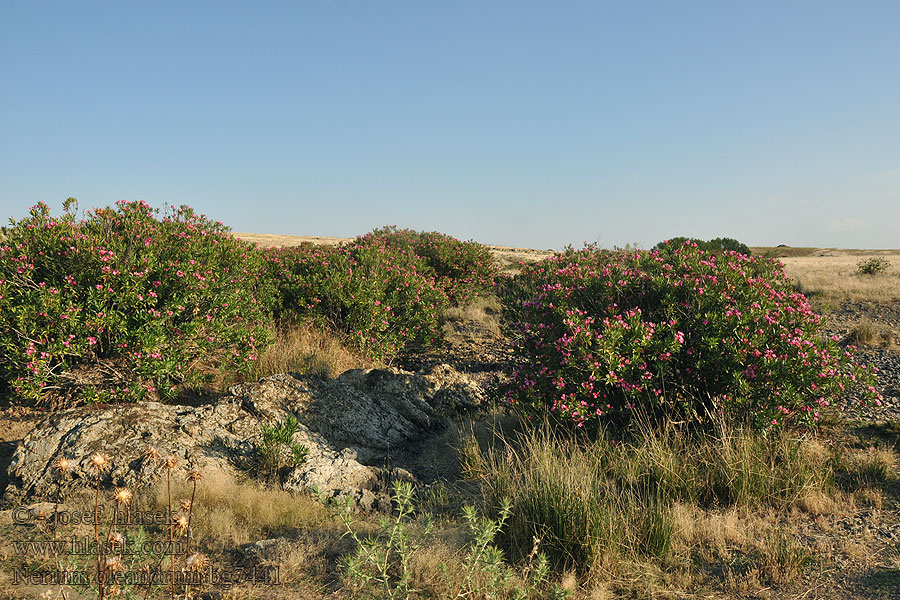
<point>307,349</point>
<point>867,333</point>
<point>782,251</point>
<point>733,504</point>
<point>867,468</point>
<point>269,240</point>
<point>836,278</point>
<point>510,259</point>
<point>229,512</point>
<point>817,502</point>
<point>483,312</point>
<point>296,349</point>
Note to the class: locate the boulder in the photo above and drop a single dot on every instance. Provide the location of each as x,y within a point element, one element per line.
<point>451,393</point>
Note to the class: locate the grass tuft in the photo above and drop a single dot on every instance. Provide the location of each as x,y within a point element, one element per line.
<point>307,349</point>
<point>232,512</point>
<point>484,312</point>
<point>597,502</point>
<point>867,333</point>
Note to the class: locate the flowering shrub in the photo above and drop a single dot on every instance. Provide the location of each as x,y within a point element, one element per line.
<point>463,270</point>
<point>682,334</point>
<point>121,303</point>
<point>376,294</point>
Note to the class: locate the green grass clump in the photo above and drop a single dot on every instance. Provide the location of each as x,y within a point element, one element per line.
<point>277,450</point>
<point>592,502</point>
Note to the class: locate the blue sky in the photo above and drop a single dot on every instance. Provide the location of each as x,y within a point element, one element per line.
<point>524,123</point>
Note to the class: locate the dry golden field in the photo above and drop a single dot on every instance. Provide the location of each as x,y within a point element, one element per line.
<point>834,276</point>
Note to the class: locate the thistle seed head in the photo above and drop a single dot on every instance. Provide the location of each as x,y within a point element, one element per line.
<point>63,465</point>
<point>181,524</point>
<point>123,496</point>
<point>100,462</point>
<point>196,562</point>
<point>113,564</point>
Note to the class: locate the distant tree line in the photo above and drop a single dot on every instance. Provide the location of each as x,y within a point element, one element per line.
<point>716,245</point>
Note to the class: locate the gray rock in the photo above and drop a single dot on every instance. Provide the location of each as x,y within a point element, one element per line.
<point>452,393</point>
<point>350,425</point>
<point>271,548</point>
<point>332,474</point>
<point>124,433</point>
<point>376,409</point>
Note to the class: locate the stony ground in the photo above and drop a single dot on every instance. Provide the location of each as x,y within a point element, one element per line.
<point>883,351</point>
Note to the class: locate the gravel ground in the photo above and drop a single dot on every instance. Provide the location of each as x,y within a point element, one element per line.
<point>884,318</point>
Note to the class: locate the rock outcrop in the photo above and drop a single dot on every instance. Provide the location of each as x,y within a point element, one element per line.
<point>351,427</point>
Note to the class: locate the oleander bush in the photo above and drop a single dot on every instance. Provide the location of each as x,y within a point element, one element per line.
<point>380,297</point>
<point>124,303</point>
<point>682,335</point>
<point>464,270</point>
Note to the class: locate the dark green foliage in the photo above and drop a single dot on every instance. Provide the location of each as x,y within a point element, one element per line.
<point>730,244</point>
<point>715,245</point>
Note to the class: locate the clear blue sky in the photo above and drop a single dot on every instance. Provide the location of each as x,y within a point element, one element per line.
<point>526,123</point>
